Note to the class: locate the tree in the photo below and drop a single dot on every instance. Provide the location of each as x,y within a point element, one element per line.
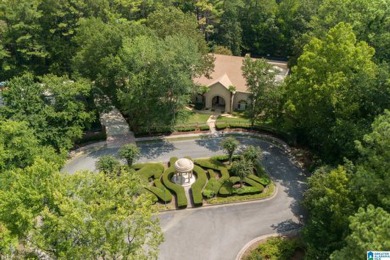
<point>373,167</point>
<point>158,75</point>
<point>369,231</point>
<point>253,154</point>
<point>242,168</point>
<point>107,164</point>
<point>129,152</point>
<point>54,107</point>
<point>329,202</point>
<point>230,144</point>
<point>371,25</point>
<point>329,91</point>
<point>260,79</point>
<point>229,31</point>
<point>83,215</point>
<point>19,146</point>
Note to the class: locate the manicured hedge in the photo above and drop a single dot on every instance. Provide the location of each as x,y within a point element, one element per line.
<point>149,170</point>
<point>224,158</point>
<point>262,180</point>
<point>209,164</point>
<point>172,161</point>
<point>220,126</point>
<point>162,193</point>
<point>185,128</point>
<point>226,189</point>
<point>246,190</point>
<point>212,188</point>
<point>204,128</point>
<point>177,189</point>
<point>254,184</point>
<point>198,185</point>
<point>224,174</point>
<point>212,174</point>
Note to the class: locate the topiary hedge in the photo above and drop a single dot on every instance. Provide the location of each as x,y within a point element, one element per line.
<point>262,180</point>
<point>198,185</point>
<point>162,193</point>
<point>209,164</point>
<point>172,161</point>
<point>224,175</point>
<point>150,170</point>
<point>211,173</point>
<point>181,198</point>
<point>212,188</point>
<point>254,184</point>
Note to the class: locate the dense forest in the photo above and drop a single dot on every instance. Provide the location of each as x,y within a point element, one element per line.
<point>59,56</point>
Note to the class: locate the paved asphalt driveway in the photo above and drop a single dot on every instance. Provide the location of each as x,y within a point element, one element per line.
<point>219,232</point>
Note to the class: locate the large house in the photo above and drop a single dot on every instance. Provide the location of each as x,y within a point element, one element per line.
<point>227,90</point>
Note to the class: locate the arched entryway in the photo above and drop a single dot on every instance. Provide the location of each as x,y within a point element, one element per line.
<point>242,105</point>
<point>218,103</point>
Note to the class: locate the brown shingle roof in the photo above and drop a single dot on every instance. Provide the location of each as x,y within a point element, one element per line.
<point>227,70</point>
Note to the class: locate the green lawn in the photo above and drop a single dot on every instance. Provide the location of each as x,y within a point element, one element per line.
<point>239,120</point>
<point>194,118</point>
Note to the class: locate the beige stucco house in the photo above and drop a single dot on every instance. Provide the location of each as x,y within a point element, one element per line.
<point>226,77</point>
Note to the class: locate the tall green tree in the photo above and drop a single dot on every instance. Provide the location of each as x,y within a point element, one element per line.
<point>261,82</point>
<point>242,168</point>
<point>230,145</point>
<point>83,215</point>
<point>329,203</point>
<point>370,20</point>
<point>253,154</point>
<point>369,231</point>
<point>19,147</point>
<point>158,77</point>
<point>329,91</point>
<point>129,152</point>
<point>373,167</point>
<point>54,107</point>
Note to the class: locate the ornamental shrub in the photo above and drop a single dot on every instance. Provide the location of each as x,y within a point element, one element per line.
<point>162,193</point>
<point>212,188</point>
<point>198,185</point>
<point>177,189</point>
<point>151,170</point>
<point>262,180</point>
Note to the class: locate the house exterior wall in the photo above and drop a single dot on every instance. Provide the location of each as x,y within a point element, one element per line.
<point>238,97</point>
<point>218,90</point>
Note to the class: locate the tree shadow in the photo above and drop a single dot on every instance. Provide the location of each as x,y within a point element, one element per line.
<point>152,150</point>
<point>211,142</point>
<point>286,226</point>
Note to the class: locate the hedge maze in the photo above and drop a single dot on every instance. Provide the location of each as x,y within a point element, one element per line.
<point>212,180</point>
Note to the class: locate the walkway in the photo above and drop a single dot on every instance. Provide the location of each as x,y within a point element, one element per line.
<point>117,129</point>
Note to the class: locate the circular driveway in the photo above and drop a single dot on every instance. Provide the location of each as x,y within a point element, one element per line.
<point>218,232</point>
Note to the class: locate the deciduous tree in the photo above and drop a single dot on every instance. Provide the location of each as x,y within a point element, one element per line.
<point>230,144</point>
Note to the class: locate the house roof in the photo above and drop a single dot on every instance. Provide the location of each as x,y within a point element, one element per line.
<point>227,71</point>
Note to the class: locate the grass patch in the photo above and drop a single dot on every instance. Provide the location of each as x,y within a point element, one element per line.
<point>268,192</point>
<point>193,118</point>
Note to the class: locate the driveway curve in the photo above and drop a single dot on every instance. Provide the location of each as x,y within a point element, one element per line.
<point>218,232</point>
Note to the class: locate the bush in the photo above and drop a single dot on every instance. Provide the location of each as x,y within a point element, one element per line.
<point>220,126</point>
<point>226,189</point>
<point>198,185</point>
<point>262,180</point>
<point>212,174</point>
<point>186,128</point>
<point>160,191</point>
<point>212,188</point>
<point>224,175</point>
<point>260,170</point>
<point>150,170</point>
<point>209,164</point>
<point>276,248</point>
<point>204,128</point>
<point>246,191</point>
<point>224,158</point>
<point>172,161</point>
<point>177,189</point>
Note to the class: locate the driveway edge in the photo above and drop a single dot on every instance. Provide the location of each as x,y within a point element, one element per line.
<point>258,239</point>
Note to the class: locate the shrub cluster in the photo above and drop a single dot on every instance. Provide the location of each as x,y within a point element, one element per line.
<point>162,193</point>
<point>177,189</point>
<point>151,170</point>
<point>212,188</point>
<point>198,185</point>
<point>262,180</point>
